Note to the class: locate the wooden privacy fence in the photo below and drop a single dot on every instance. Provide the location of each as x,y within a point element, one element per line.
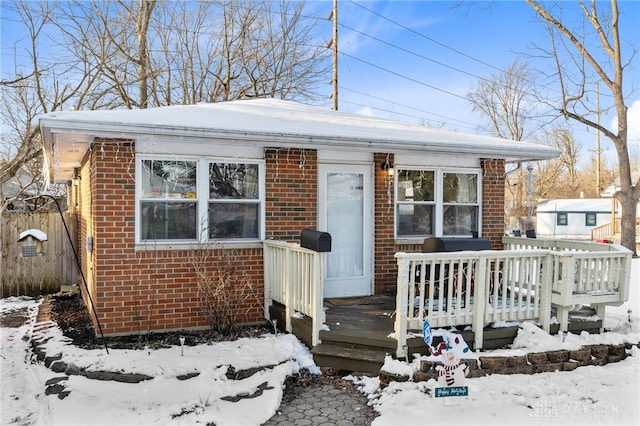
<point>30,271</point>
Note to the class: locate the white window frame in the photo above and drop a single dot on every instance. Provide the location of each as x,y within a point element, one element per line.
<point>438,225</point>
<point>202,199</point>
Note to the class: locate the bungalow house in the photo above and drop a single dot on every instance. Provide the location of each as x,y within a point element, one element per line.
<point>152,186</point>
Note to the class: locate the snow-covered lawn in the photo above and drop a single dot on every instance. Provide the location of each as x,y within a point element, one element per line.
<point>588,395</point>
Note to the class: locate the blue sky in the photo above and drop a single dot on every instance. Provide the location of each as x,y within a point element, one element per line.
<point>433,52</point>
<point>415,61</point>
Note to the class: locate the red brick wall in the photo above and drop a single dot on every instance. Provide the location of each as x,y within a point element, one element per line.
<point>493,201</point>
<point>155,290</point>
<point>147,290</point>
<point>385,269</point>
<point>292,192</point>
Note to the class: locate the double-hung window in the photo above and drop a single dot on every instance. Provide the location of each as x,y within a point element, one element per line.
<point>199,200</point>
<point>437,202</point>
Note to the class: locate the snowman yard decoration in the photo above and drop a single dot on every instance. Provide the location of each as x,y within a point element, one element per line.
<point>451,351</point>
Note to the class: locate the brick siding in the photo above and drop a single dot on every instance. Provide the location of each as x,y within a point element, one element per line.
<point>291,192</point>
<point>147,290</point>
<point>493,217</point>
<point>137,291</point>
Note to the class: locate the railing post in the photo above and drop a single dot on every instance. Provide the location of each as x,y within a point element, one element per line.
<point>317,298</point>
<point>268,290</point>
<point>401,306</point>
<point>566,284</point>
<point>624,277</point>
<point>289,290</point>
<point>545,292</point>
<point>480,288</point>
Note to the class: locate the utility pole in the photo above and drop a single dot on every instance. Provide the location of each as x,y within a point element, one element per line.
<point>334,43</point>
<point>598,189</point>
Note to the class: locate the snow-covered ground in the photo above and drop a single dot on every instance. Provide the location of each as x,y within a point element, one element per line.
<point>588,395</point>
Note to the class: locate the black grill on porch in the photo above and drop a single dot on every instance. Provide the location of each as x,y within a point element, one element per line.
<point>449,244</point>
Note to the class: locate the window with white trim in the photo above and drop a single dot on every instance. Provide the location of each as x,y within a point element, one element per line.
<point>188,200</point>
<point>437,202</point>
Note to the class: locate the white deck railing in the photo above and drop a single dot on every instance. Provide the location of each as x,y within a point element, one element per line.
<point>471,288</point>
<point>519,283</point>
<point>294,277</point>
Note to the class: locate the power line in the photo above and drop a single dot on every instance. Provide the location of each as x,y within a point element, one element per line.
<point>465,124</point>
<point>426,37</point>
<point>404,76</point>
<point>395,46</point>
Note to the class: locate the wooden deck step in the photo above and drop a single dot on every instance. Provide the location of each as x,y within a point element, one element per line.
<point>349,357</point>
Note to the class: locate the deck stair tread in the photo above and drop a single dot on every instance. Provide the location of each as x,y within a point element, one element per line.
<point>342,356</point>
<point>347,338</point>
<point>348,351</point>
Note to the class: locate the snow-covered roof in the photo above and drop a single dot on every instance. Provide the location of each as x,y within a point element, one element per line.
<point>35,233</point>
<point>268,122</point>
<point>578,205</point>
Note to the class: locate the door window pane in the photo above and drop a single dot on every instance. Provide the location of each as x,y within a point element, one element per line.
<point>345,222</point>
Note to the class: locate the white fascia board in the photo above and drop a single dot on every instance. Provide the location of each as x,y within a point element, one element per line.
<point>519,151</point>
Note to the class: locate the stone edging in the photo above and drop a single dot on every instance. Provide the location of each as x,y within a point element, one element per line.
<point>531,363</point>
<point>56,385</point>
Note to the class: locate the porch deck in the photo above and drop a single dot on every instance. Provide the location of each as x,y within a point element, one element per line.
<point>468,291</point>
<point>360,333</point>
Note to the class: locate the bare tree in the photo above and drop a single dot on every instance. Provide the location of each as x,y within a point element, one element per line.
<point>34,90</point>
<point>505,100</point>
<point>141,53</point>
<point>235,50</point>
<point>583,57</point>
<point>587,176</point>
<point>558,178</point>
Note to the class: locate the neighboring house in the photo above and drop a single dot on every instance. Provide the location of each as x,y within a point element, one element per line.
<point>573,217</point>
<point>153,185</point>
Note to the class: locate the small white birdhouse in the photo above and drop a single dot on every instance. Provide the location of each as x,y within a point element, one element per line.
<point>32,240</point>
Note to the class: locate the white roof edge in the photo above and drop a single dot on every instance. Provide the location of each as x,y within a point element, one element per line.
<point>278,123</point>
<point>519,151</point>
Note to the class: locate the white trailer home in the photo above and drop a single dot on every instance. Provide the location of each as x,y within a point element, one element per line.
<point>573,217</point>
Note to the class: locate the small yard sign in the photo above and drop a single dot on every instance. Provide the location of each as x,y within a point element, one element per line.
<point>452,391</point>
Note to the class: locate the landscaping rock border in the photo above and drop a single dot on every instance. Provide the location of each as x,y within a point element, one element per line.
<point>531,363</point>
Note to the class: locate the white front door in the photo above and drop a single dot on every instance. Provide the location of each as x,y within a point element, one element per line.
<point>346,212</point>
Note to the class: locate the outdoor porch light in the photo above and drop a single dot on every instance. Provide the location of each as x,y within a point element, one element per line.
<point>388,167</point>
